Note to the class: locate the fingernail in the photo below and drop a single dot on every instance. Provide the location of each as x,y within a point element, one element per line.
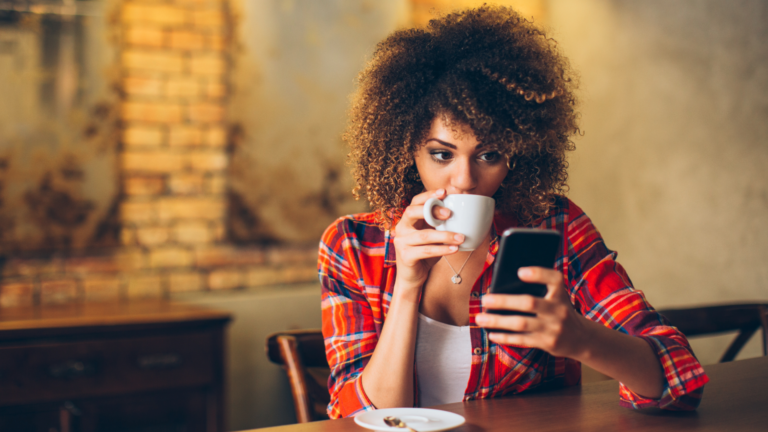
<point>453,248</point>
<point>481,319</point>
<point>488,300</point>
<point>524,272</point>
<point>439,191</point>
<point>459,237</point>
<point>445,212</point>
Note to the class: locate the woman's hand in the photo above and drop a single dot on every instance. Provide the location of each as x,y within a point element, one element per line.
<point>557,328</point>
<point>561,331</point>
<point>417,245</point>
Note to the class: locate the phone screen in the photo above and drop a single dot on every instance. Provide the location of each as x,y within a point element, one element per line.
<point>523,247</point>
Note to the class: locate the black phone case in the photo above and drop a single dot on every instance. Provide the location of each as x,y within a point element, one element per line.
<point>523,247</point>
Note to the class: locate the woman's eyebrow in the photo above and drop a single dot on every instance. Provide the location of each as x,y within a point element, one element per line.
<point>442,142</point>
<point>447,144</point>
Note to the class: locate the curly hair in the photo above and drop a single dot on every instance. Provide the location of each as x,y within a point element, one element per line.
<point>486,68</point>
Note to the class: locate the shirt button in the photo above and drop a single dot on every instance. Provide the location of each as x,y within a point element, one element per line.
<point>475,294</point>
<point>477,351</point>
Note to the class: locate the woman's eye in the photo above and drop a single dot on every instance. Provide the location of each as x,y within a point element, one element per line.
<point>441,156</point>
<point>489,157</point>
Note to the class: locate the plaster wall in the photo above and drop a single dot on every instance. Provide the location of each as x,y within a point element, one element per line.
<point>258,393</point>
<point>671,166</point>
<point>58,179</point>
<point>292,78</point>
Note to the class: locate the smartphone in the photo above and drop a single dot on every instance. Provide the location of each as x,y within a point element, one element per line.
<point>522,247</point>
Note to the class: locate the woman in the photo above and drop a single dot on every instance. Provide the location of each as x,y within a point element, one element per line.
<point>480,102</point>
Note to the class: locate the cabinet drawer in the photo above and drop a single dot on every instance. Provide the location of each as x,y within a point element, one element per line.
<point>103,367</point>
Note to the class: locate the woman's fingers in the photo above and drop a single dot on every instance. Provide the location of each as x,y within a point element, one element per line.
<point>416,237</point>
<point>413,216</point>
<point>406,228</point>
<point>515,302</point>
<point>515,323</point>
<point>418,253</point>
<point>415,212</point>
<point>424,196</point>
<point>550,277</point>
<point>429,237</point>
<point>553,326</point>
<point>442,213</point>
<point>515,339</point>
<point>540,275</point>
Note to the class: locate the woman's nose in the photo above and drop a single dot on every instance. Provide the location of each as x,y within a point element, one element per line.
<point>463,177</point>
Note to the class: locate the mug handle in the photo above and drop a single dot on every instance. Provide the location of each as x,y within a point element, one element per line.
<point>432,202</point>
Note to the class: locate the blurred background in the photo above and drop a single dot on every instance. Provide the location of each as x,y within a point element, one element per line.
<point>190,150</point>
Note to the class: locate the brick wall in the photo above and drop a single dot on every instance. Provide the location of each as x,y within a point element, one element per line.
<point>173,58</point>
<point>173,159</point>
<point>137,273</point>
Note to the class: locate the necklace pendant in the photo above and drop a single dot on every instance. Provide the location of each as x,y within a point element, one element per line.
<point>456,279</point>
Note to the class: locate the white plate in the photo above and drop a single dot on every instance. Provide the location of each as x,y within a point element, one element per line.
<point>420,419</point>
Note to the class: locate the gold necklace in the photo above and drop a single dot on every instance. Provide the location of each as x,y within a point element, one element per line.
<point>456,278</point>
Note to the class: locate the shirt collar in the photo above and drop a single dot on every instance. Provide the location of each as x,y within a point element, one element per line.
<point>501,222</point>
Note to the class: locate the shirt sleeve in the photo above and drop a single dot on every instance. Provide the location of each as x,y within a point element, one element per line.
<point>602,291</point>
<point>348,330</point>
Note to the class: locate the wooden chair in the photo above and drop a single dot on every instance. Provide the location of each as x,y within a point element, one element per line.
<point>302,355</point>
<point>710,320</point>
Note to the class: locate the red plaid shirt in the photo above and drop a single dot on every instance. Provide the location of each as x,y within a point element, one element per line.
<point>357,271</point>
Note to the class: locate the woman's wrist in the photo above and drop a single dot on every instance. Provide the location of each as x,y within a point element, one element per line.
<point>622,357</point>
<point>588,341</point>
<point>407,291</point>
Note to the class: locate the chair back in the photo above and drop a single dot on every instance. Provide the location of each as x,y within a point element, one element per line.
<point>709,320</point>
<point>302,355</point>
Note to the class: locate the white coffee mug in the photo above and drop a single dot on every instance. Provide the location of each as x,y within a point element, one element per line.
<point>471,215</point>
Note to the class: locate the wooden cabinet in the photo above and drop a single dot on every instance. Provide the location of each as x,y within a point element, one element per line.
<point>136,367</point>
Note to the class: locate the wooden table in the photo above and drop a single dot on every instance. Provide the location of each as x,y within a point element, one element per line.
<point>736,398</point>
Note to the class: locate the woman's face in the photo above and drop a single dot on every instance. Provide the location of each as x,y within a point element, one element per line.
<point>453,161</point>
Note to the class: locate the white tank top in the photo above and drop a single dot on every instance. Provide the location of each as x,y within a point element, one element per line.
<point>443,361</point>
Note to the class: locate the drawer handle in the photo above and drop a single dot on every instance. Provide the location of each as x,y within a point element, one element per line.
<point>71,369</point>
<point>159,361</point>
